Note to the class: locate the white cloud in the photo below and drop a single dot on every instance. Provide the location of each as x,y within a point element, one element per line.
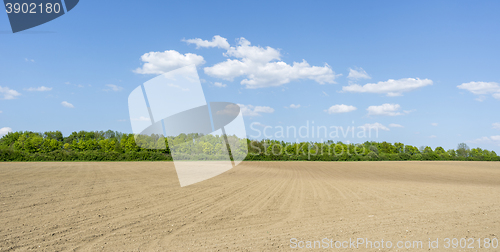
<point>217,41</point>
<point>218,84</point>
<point>295,106</point>
<point>434,124</point>
<point>38,89</point>
<point>262,67</point>
<point>113,88</point>
<point>496,126</point>
<point>482,88</point>
<point>250,110</point>
<point>4,131</point>
<point>141,119</point>
<point>161,62</point>
<point>481,98</point>
<point>324,93</point>
<point>390,87</point>
<point>432,136</point>
<point>358,74</point>
<point>8,94</point>
<point>177,86</point>
<point>340,108</point>
<point>385,109</point>
<point>29,60</point>
<point>1,111</point>
<point>258,124</point>
<point>376,126</point>
<point>67,104</point>
<point>231,109</point>
<point>394,125</point>
<point>244,50</point>
<point>76,85</point>
<point>487,140</point>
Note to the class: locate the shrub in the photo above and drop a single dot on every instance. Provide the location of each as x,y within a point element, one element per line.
<point>404,156</point>
<point>372,156</point>
<point>416,157</point>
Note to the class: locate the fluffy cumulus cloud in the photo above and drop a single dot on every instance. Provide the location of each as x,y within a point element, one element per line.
<point>259,67</point>
<point>8,94</point>
<point>4,131</point>
<point>250,110</point>
<point>376,126</point>
<point>496,125</point>
<point>487,140</point>
<point>482,88</point>
<point>67,104</point>
<point>390,87</point>
<point>385,110</point>
<point>219,84</point>
<point>112,87</point>
<point>217,41</point>
<point>395,125</point>
<point>262,67</point>
<point>295,106</point>
<point>358,74</point>
<point>162,62</point>
<point>340,108</point>
<point>38,89</point>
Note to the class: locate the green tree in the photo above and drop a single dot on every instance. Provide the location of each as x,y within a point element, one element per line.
<point>412,150</point>
<point>373,149</point>
<point>463,150</point>
<point>439,150</point>
<point>400,147</point>
<point>452,153</point>
<point>386,147</point>
<point>427,149</point>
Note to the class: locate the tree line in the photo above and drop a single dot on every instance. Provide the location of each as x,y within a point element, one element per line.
<point>367,151</point>
<point>116,146</point>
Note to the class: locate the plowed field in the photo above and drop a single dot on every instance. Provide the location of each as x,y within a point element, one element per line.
<point>257,206</point>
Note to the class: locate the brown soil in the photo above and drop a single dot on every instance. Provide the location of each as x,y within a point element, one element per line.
<point>257,206</point>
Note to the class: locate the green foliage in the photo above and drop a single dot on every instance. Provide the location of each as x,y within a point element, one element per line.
<point>115,146</point>
<point>372,156</point>
<point>463,150</point>
<point>427,149</point>
<point>404,156</point>
<point>412,150</point>
<point>452,153</point>
<point>439,150</point>
<point>373,149</point>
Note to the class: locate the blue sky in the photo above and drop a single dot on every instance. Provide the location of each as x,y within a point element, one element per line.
<point>423,73</point>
